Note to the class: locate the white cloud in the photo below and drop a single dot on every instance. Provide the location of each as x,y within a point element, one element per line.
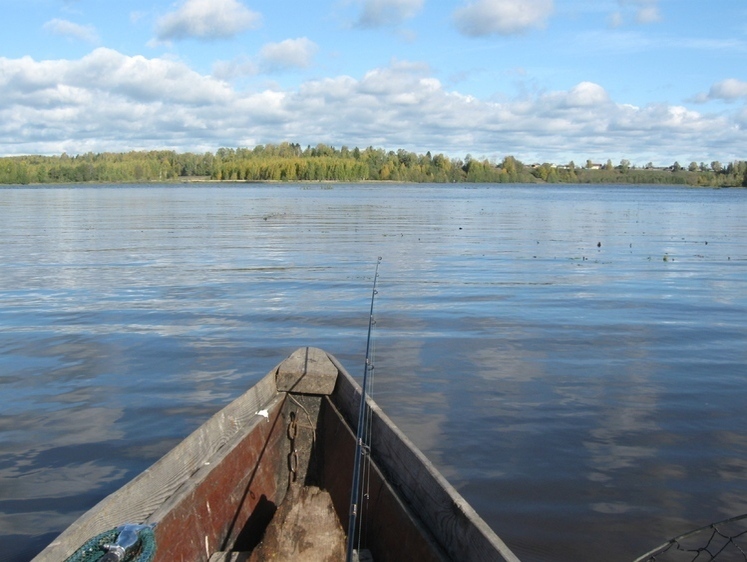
<point>65,28</point>
<point>641,11</point>
<point>110,101</point>
<point>730,89</point>
<point>616,20</point>
<point>100,98</point>
<point>145,80</point>
<point>237,68</point>
<point>648,14</point>
<point>502,17</point>
<point>273,57</point>
<point>206,19</point>
<point>587,94</point>
<point>291,53</point>
<point>377,13</point>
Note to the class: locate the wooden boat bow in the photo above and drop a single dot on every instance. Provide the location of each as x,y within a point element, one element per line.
<point>213,496</point>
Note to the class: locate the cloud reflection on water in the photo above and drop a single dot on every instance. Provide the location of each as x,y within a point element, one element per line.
<point>579,395</point>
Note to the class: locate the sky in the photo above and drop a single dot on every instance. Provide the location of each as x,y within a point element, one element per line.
<point>543,80</point>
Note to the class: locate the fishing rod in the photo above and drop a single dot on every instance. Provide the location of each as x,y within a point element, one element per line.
<point>359,445</point>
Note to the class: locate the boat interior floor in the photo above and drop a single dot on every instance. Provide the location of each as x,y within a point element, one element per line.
<point>305,528</point>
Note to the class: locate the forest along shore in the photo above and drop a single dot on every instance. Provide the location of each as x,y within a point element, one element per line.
<point>289,162</point>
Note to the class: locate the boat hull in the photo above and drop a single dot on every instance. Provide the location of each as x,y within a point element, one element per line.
<point>218,490</point>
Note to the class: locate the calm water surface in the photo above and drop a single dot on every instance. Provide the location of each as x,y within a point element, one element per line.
<point>572,358</point>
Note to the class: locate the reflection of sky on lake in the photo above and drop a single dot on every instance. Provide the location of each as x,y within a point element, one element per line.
<point>584,393</point>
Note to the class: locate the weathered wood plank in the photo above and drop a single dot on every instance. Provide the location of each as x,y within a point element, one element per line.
<point>460,531</point>
<point>305,529</point>
<point>307,371</point>
<point>246,479</point>
<point>137,500</point>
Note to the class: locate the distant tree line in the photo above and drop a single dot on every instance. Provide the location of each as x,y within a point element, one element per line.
<point>290,162</point>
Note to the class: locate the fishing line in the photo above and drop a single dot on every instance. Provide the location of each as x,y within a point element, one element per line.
<point>367,444</point>
<point>361,432</point>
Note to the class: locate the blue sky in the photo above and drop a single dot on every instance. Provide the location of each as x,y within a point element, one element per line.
<point>543,80</point>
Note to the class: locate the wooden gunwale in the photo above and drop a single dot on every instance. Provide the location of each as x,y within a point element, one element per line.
<point>461,532</point>
<point>146,497</point>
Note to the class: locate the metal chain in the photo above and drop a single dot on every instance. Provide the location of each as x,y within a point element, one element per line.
<point>293,455</point>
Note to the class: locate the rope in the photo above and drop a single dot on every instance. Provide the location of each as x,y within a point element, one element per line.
<point>95,549</point>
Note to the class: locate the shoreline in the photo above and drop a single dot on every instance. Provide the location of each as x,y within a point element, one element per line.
<point>203,181</point>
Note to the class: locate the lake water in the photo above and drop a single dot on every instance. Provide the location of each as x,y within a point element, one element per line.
<point>572,358</point>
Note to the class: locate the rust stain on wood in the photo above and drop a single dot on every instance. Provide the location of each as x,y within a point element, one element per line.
<point>213,514</point>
